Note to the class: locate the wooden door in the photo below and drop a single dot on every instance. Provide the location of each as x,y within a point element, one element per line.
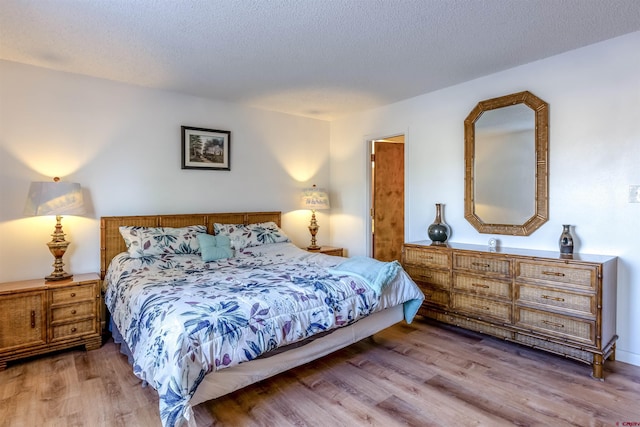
<point>388,199</point>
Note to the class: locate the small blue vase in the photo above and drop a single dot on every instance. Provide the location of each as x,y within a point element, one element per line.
<point>566,240</point>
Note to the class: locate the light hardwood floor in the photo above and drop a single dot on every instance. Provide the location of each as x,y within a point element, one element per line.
<point>421,374</point>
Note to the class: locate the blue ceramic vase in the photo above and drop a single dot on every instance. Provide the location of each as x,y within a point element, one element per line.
<point>439,232</point>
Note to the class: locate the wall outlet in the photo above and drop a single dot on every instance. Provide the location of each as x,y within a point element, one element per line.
<point>634,194</point>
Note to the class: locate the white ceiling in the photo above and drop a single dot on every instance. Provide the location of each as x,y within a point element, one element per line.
<point>314,58</point>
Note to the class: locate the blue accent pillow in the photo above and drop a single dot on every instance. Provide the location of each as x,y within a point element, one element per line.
<point>214,248</point>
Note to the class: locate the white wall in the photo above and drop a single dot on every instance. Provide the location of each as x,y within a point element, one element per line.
<point>122,144</point>
<point>594,155</point>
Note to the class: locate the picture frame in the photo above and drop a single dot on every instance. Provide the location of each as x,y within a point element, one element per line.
<point>208,149</point>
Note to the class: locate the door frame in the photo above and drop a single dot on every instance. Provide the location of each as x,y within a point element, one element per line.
<point>368,142</point>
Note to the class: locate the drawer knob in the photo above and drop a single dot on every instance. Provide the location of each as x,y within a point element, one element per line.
<point>33,318</point>
<point>553,298</point>
<point>73,312</point>
<point>74,329</point>
<point>480,285</point>
<point>554,324</point>
<point>73,294</point>
<point>553,273</point>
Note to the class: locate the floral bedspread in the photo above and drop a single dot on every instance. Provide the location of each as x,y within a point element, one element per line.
<point>182,318</point>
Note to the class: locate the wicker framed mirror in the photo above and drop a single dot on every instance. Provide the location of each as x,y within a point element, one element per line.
<point>506,165</point>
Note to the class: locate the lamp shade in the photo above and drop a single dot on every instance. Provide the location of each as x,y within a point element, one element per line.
<point>314,198</point>
<point>54,198</point>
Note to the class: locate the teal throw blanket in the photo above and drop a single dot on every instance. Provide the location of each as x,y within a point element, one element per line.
<point>376,274</point>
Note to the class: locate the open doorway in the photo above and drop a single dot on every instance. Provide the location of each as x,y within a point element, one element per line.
<point>387,198</point>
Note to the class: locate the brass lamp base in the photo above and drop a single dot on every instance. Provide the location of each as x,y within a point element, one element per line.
<point>55,278</point>
<point>58,246</point>
<point>313,229</point>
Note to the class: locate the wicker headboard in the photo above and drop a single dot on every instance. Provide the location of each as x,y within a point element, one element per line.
<point>112,243</point>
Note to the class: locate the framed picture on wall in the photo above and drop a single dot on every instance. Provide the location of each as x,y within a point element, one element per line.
<point>206,148</point>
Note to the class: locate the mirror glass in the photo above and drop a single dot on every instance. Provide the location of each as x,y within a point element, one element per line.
<point>506,145</point>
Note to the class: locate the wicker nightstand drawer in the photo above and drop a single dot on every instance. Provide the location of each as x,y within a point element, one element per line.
<point>438,278</point>
<point>557,273</point>
<point>481,286</point>
<point>555,324</point>
<point>572,303</point>
<point>72,294</point>
<point>426,257</point>
<point>74,311</point>
<point>73,329</point>
<point>483,307</point>
<point>484,265</point>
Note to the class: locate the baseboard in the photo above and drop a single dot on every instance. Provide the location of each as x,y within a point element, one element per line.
<point>628,357</point>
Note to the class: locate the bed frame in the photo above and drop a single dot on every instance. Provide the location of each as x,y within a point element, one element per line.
<point>225,381</point>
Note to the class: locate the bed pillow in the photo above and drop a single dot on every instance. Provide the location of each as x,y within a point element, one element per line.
<point>244,236</point>
<point>214,247</point>
<point>152,241</point>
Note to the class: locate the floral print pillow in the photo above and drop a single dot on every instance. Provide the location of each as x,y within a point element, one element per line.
<point>244,236</point>
<point>152,241</point>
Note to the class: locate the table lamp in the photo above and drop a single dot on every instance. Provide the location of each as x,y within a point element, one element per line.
<point>55,198</point>
<point>314,198</point>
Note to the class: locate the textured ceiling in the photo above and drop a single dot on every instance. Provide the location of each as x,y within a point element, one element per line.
<point>315,58</point>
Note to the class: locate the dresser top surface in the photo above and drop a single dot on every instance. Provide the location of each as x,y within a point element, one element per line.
<point>516,251</point>
<point>42,284</point>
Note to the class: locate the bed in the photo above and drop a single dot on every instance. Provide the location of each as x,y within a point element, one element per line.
<point>200,320</point>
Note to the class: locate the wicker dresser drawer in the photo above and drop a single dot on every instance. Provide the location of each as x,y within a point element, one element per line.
<point>435,296</point>
<point>73,294</point>
<point>482,286</point>
<point>426,257</point>
<point>576,276</point>
<point>482,307</point>
<point>554,324</point>
<point>572,303</point>
<point>434,277</point>
<point>483,265</point>
<point>75,311</point>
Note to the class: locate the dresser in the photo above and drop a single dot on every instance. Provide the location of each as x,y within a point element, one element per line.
<point>565,306</point>
<point>37,317</point>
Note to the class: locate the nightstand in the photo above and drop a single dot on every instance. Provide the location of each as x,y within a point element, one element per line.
<point>38,317</point>
<point>328,250</point>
